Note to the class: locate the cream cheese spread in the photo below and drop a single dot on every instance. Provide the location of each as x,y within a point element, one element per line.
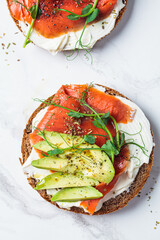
<point>92,34</point>
<point>127,178</point>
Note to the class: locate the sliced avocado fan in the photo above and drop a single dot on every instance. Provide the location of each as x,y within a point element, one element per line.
<point>93,163</point>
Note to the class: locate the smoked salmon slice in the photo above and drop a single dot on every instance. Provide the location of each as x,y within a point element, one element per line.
<point>102,102</point>
<point>90,205</point>
<point>54,23</point>
<point>56,119</point>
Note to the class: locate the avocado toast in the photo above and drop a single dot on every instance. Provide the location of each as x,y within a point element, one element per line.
<point>104,183</point>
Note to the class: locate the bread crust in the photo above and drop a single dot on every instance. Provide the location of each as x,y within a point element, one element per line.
<point>121,13</point>
<point>110,205</point>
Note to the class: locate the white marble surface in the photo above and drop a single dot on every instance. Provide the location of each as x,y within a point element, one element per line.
<point>127,60</point>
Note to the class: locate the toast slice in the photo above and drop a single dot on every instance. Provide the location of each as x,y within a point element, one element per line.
<point>119,17</point>
<point>110,205</point>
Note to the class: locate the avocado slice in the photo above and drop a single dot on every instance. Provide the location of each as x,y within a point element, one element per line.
<point>93,163</point>
<point>59,140</point>
<point>76,194</point>
<point>63,180</point>
<point>50,163</point>
<point>43,146</point>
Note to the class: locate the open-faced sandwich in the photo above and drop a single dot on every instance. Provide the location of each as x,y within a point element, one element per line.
<point>57,25</point>
<point>87,150</point>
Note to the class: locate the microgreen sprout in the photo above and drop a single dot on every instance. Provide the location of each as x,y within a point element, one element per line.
<point>139,160</point>
<point>78,2</point>
<point>35,12</point>
<point>89,139</point>
<point>55,152</point>
<point>90,13</point>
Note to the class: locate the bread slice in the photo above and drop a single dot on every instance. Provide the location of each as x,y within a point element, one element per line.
<point>121,13</point>
<point>112,204</point>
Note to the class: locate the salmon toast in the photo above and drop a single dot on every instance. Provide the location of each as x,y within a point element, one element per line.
<point>66,24</point>
<point>77,150</point>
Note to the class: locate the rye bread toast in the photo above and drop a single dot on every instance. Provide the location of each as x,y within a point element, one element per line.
<point>119,17</point>
<point>112,204</point>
